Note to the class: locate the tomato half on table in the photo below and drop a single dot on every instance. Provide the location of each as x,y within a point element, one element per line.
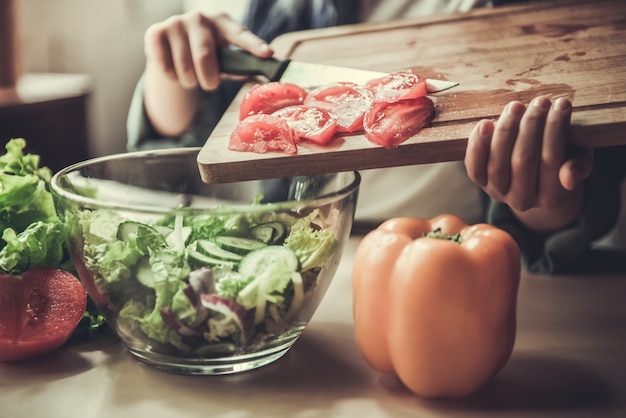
<point>263,133</point>
<point>388,124</point>
<point>39,311</point>
<point>269,97</point>
<point>398,85</point>
<point>348,101</point>
<point>309,122</point>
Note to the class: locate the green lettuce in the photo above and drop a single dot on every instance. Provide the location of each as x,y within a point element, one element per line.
<point>270,283</point>
<point>117,265</point>
<point>32,235</point>
<point>313,247</point>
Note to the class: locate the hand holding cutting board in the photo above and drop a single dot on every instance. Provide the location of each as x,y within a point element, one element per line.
<point>524,160</point>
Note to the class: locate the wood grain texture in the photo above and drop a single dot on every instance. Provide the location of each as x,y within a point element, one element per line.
<point>572,49</point>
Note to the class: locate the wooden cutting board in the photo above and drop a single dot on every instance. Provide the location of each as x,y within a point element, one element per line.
<point>571,48</point>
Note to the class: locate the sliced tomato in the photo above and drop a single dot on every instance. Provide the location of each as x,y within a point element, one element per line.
<point>269,97</point>
<point>262,133</point>
<point>398,85</point>
<point>388,124</point>
<point>38,311</point>
<point>309,122</point>
<point>348,101</point>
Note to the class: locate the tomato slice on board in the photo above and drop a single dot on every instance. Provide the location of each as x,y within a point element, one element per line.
<point>398,85</point>
<point>38,311</point>
<point>309,122</point>
<point>269,97</point>
<point>348,101</point>
<point>262,133</point>
<point>388,124</point>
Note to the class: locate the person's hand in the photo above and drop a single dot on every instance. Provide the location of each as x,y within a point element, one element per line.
<point>184,47</point>
<point>524,160</point>
<point>181,59</point>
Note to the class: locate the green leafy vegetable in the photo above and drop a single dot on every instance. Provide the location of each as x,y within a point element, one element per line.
<point>312,246</point>
<point>33,235</point>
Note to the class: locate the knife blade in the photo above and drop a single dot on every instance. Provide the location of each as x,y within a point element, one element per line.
<point>304,74</point>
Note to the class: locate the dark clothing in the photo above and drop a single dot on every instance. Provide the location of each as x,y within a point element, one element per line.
<point>268,19</point>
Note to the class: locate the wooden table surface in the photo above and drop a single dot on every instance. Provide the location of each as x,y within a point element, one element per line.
<point>569,361</point>
<point>571,48</point>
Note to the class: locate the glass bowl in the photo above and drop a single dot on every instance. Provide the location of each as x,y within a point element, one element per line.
<point>198,278</point>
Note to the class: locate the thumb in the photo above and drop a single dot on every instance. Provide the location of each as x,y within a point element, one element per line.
<point>576,169</point>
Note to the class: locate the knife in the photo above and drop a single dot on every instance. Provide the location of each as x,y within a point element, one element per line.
<point>304,74</point>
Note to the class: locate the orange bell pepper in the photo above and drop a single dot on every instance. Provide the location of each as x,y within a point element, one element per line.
<point>435,301</point>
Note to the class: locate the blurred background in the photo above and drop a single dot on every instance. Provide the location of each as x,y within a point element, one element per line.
<point>76,64</point>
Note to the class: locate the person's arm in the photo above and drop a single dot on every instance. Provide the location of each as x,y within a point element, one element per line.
<point>181,60</point>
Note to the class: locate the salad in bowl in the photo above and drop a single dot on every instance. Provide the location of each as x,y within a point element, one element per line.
<point>203,278</point>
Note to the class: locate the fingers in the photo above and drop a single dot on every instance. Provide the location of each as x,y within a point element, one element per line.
<point>202,41</point>
<point>231,32</point>
<point>576,169</point>
<point>477,152</point>
<point>496,172</point>
<point>526,159</point>
<point>523,159</point>
<point>168,49</point>
<point>554,152</point>
<point>207,34</point>
<point>556,126</point>
<point>183,56</point>
<point>157,49</point>
<point>184,47</point>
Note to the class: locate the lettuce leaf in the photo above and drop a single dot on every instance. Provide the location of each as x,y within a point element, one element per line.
<point>313,247</point>
<point>37,245</point>
<point>33,234</point>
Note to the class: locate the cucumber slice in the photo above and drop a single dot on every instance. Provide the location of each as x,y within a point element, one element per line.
<point>143,269</point>
<point>239,245</point>
<point>260,260</point>
<point>171,238</point>
<point>197,259</point>
<point>269,232</point>
<point>128,230</point>
<point>262,233</point>
<point>144,272</point>
<point>211,249</point>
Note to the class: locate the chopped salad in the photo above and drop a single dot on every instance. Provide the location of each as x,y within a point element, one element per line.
<point>211,284</point>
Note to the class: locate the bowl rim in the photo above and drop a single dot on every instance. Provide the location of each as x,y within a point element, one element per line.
<point>58,189</point>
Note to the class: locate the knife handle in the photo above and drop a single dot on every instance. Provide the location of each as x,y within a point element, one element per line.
<point>240,62</point>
